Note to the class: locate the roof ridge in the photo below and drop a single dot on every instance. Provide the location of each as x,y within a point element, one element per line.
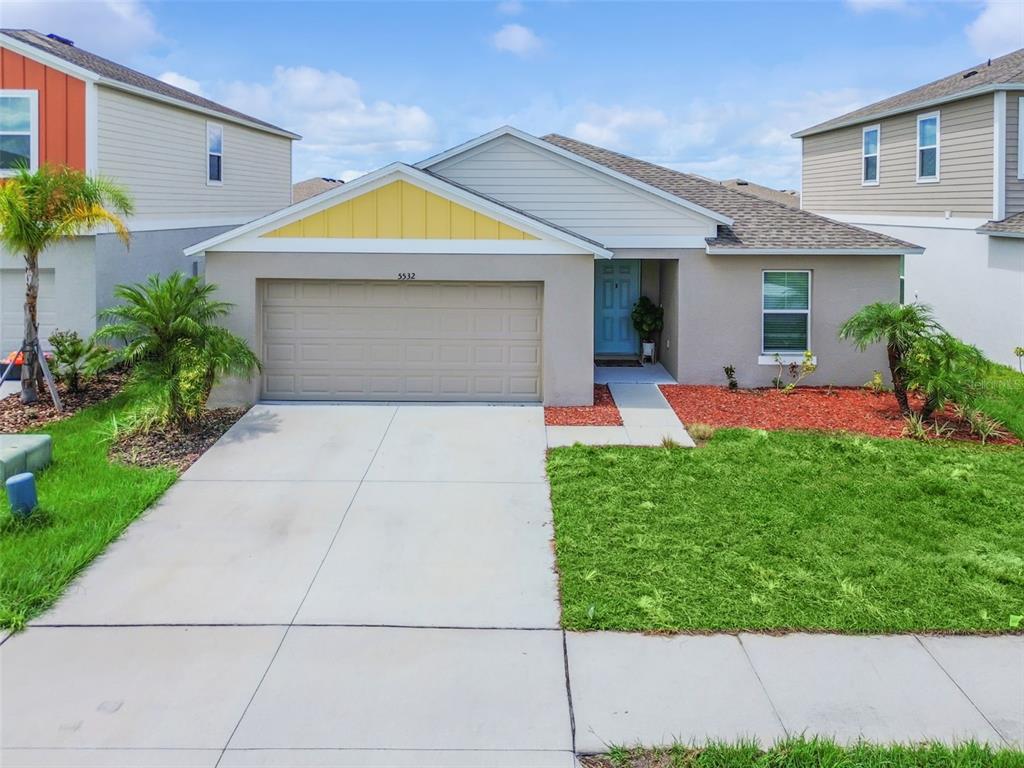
<point>156,86</point>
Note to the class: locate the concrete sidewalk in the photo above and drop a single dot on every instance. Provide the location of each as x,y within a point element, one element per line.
<point>632,689</point>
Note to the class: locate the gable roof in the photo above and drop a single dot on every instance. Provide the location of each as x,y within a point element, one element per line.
<point>117,75</point>
<point>788,197</point>
<point>508,130</point>
<point>1003,73</point>
<point>430,181</point>
<point>314,186</point>
<point>759,226</point>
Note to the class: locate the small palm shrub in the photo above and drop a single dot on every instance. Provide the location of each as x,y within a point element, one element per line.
<point>177,349</point>
<point>77,360</point>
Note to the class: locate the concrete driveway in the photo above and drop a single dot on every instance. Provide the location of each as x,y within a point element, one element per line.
<point>328,585</point>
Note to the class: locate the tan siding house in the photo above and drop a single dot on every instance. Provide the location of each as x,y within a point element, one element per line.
<point>832,166</point>
<point>968,218</point>
<point>159,152</point>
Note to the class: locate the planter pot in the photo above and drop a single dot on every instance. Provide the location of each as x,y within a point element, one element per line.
<point>648,350</point>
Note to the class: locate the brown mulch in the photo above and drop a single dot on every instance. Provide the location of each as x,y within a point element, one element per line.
<point>603,413</point>
<point>173,448</point>
<point>816,408</point>
<point>15,417</point>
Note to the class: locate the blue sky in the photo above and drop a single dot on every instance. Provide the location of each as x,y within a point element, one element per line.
<point>712,88</point>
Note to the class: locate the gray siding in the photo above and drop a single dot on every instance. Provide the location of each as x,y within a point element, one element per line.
<point>1014,185</point>
<point>720,315</point>
<point>159,152</point>
<point>832,166</point>
<point>565,193</point>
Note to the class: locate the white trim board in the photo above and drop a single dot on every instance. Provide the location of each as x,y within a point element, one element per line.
<point>712,251</point>
<point>255,244</point>
<point>386,175</point>
<point>999,155</point>
<point>547,146</point>
<point>924,222</point>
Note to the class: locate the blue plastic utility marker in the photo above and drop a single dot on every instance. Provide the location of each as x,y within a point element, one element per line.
<point>21,492</point>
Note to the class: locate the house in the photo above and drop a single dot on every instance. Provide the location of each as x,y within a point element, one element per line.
<point>193,167</point>
<point>788,197</point>
<point>314,186</point>
<point>941,165</point>
<point>499,270</point>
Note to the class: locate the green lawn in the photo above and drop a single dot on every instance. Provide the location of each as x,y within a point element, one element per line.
<point>85,503</point>
<point>785,530</point>
<point>1003,399</point>
<point>811,753</point>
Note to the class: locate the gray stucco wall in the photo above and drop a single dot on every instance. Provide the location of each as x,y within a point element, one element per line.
<point>669,341</point>
<point>568,314</point>
<point>720,315</point>
<point>155,252</point>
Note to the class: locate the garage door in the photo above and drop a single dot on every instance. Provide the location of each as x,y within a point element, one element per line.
<point>401,340</point>
<point>12,308</point>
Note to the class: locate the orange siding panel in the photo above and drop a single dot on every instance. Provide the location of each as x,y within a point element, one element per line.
<point>76,123</point>
<point>55,117</point>
<point>61,107</point>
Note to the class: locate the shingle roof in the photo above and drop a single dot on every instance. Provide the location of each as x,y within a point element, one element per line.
<point>788,197</point>
<point>1011,225</point>
<point>758,224</point>
<point>118,73</point>
<point>314,186</point>
<point>1005,69</point>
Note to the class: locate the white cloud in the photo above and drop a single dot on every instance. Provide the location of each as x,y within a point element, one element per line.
<point>113,28</point>
<point>510,7</point>
<point>340,129</point>
<point>998,29</point>
<point>865,6</point>
<point>607,125</point>
<point>517,39</point>
<point>182,81</point>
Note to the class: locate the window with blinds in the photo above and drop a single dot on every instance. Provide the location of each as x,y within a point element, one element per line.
<point>786,312</point>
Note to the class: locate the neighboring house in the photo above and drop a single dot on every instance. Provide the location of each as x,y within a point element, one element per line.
<point>193,168</point>
<point>500,269</point>
<point>317,185</point>
<point>788,197</point>
<point>943,166</point>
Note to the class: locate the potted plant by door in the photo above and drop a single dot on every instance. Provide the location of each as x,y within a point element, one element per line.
<point>648,319</point>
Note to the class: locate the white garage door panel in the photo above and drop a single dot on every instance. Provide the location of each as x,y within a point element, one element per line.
<point>12,308</point>
<point>364,340</point>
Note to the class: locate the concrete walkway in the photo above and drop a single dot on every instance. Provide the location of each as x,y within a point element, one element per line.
<point>375,586</point>
<point>647,419</point>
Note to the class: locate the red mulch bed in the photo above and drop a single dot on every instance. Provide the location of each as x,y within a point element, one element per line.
<point>15,417</point>
<point>832,410</point>
<point>603,413</point>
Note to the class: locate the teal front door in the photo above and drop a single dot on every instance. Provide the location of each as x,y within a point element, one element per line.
<point>616,289</point>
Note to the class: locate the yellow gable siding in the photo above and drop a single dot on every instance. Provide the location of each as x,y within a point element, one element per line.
<point>404,211</point>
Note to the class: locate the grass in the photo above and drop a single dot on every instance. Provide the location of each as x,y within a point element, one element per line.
<point>785,530</point>
<point>85,503</point>
<point>811,753</point>
<point>1003,399</point>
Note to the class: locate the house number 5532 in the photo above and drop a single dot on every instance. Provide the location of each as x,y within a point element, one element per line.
<point>406,275</point>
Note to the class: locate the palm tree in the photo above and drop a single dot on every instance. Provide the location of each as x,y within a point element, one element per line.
<point>171,335</point>
<point>40,208</point>
<point>901,327</point>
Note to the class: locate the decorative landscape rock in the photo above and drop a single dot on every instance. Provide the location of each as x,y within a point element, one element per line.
<point>24,453</point>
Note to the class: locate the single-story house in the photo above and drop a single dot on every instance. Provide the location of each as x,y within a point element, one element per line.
<point>501,269</point>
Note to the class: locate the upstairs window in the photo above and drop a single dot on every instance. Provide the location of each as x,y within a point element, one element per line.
<point>786,312</point>
<point>214,153</point>
<point>869,164</point>
<point>928,147</point>
<point>19,131</point>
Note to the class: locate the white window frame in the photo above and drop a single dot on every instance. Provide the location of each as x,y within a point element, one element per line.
<point>767,356</point>
<point>214,182</point>
<point>1020,138</point>
<point>33,99</point>
<point>938,152</point>
<point>864,182</point>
